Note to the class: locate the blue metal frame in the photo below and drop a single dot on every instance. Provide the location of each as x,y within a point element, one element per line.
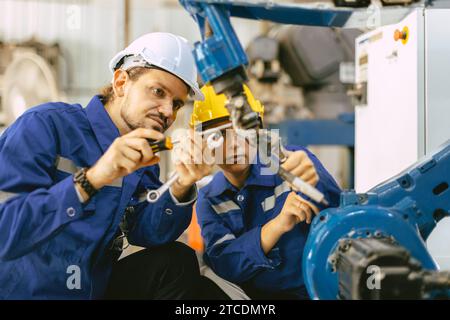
<point>281,13</point>
<point>319,131</point>
<point>221,51</point>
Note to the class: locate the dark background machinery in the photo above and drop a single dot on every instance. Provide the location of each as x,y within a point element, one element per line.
<point>300,75</point>
<point>380,268</point>
<point>31,73</point>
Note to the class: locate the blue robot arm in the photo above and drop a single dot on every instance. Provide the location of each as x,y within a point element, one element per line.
<point>385,228</point>
<point>220,58</point>
<point>220,51</point>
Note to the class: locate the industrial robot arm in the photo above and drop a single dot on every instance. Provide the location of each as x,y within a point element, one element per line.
<point>382,233</point>
<point>220,58</point>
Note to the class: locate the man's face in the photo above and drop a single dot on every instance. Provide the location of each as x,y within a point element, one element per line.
<point>152,100</point>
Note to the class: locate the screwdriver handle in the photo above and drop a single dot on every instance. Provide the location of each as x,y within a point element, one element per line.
<point>161,145</point>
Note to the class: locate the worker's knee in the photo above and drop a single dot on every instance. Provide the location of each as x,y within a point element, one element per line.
<point>175,256</point>
<point>183,254</point>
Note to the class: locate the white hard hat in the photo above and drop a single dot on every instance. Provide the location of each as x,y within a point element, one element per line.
<point>167,51</point>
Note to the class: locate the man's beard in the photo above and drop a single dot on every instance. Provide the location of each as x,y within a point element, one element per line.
<point>131,124</point>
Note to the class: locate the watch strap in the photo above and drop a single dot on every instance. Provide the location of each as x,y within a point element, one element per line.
<point>81,178</point>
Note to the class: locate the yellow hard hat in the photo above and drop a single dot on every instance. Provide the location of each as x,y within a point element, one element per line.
<point>212,110</point>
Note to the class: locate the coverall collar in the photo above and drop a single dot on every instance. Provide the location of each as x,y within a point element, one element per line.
<point>104,128</point>
<point>220,184</point>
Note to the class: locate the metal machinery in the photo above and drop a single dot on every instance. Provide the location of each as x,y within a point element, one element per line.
<point>296,72</point>
<point>384,228</point>
<point>30,75</point>
<point>380,233</point>
<point>401,71</point>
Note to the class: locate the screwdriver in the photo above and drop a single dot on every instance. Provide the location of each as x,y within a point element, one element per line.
<point>161,145</point>
<point>167,143</point>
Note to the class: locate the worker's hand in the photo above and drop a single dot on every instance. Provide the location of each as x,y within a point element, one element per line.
<point>189,159</point>
<point>126,154</point>
<point>189,164</point>
<point>295,210</point>
<point>300,165</point>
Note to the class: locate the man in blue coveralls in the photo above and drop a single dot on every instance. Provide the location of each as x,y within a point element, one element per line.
<point>254,226</point>
<point>73,182</point>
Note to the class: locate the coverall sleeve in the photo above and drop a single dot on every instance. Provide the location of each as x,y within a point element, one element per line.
<point>34,208</point>
<point>161,222</point>
<point>232,257</point>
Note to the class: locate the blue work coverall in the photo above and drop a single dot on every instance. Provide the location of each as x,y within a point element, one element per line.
<point>231,222</point>
<point>46,233</point>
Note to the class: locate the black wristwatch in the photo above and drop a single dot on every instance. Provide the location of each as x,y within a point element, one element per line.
<point>81,179</point>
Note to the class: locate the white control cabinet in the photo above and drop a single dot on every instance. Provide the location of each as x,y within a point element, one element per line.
<point>405,72</point>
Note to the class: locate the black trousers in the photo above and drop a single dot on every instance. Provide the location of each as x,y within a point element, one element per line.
<point>165,272</point>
